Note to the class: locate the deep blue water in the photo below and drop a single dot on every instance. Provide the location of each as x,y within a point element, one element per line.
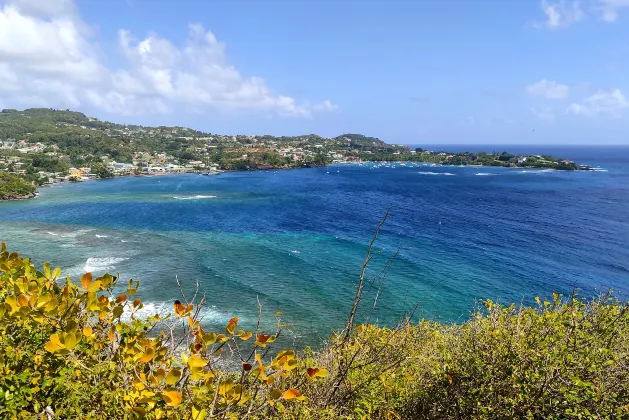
<point>296,239</point>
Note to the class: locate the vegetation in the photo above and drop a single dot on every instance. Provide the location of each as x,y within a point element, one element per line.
<point>467,158</point>
<point>48,142</point>
<point>80,350</point>
<point>14,187</point>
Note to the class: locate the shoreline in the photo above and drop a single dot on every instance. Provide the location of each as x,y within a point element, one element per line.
<point>21,197</point>
<point>429,164</point>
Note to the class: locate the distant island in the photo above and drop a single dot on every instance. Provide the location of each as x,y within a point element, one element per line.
<point>41,146</point>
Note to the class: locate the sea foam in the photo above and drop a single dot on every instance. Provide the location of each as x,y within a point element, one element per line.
<point>436,173</point>
<point>96,265</point>
<point>151,308</point>
<point>194,197</point>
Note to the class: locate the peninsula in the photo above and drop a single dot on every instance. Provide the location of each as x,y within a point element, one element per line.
<point>45,146</point>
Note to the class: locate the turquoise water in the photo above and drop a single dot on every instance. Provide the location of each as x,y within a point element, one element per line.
<point>296,239</point>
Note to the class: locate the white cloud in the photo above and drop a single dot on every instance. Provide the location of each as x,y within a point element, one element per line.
<point>611,102</point>
<point>609,9</point>
<point>544,113</point>
<point>548,89</point>
<point>48,57</point>
<point>561,14</point>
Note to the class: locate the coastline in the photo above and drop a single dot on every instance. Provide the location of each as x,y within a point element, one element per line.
<point>21,197</point>
<point>215,173</point>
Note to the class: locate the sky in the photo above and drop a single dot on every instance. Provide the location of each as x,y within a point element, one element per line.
<point>406,71</point>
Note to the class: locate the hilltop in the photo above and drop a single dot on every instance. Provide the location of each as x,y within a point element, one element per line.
<point>85,140</point>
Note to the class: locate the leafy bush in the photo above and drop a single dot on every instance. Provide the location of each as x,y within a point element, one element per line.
<point>565,358</point>
<point>79,350</point>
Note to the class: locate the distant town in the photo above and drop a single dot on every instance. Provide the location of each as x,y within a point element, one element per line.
<point>48,146</point>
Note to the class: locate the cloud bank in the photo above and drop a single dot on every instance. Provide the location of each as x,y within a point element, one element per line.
<point>49,57</point>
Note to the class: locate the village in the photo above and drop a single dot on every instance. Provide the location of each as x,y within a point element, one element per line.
<point>48,146</point>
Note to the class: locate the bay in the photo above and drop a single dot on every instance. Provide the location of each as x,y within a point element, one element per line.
<point>295,239</point>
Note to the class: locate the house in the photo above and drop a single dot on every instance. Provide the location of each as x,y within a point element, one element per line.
<point>121,168</point>
<point>75,172</point>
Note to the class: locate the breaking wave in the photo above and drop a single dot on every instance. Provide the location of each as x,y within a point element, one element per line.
<point>436,173</point>
<point>194,197</point>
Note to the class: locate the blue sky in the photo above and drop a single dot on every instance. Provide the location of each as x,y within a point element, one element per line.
<point>465,71</point>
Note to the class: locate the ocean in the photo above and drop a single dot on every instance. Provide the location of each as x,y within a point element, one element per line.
<point>296,239</point>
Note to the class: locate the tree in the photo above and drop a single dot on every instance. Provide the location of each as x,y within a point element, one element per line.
<point>101,171</point>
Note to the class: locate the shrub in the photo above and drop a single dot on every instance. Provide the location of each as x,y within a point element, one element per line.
<point>564,358</point>
<point>79,350</point>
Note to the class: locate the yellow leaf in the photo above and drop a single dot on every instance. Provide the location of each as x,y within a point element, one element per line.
<point>225,386</point>
<point>148,355</point>
<point>198,414</point>
<point>291,394</point>
<point>11,304</point>
<point>54,344</point>
<point>291,364</point>
<point>94,287</point>
<point>179,308</point>
<point>192,323</point>
<point>87,331</point>
<point>317,373</point>
<point>112,334</point>
<point>231,325</point>
<point>173,376</point>
<point>196,362</point>
<point>259,373</point>
<point>86,280</point>
<point>172,398</point>
<point>160,375</point>
<point>246,336</point>
<point>70,340</point>
<point>22,300</point>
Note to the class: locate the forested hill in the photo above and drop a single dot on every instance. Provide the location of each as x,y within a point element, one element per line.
<point>78,135</point>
